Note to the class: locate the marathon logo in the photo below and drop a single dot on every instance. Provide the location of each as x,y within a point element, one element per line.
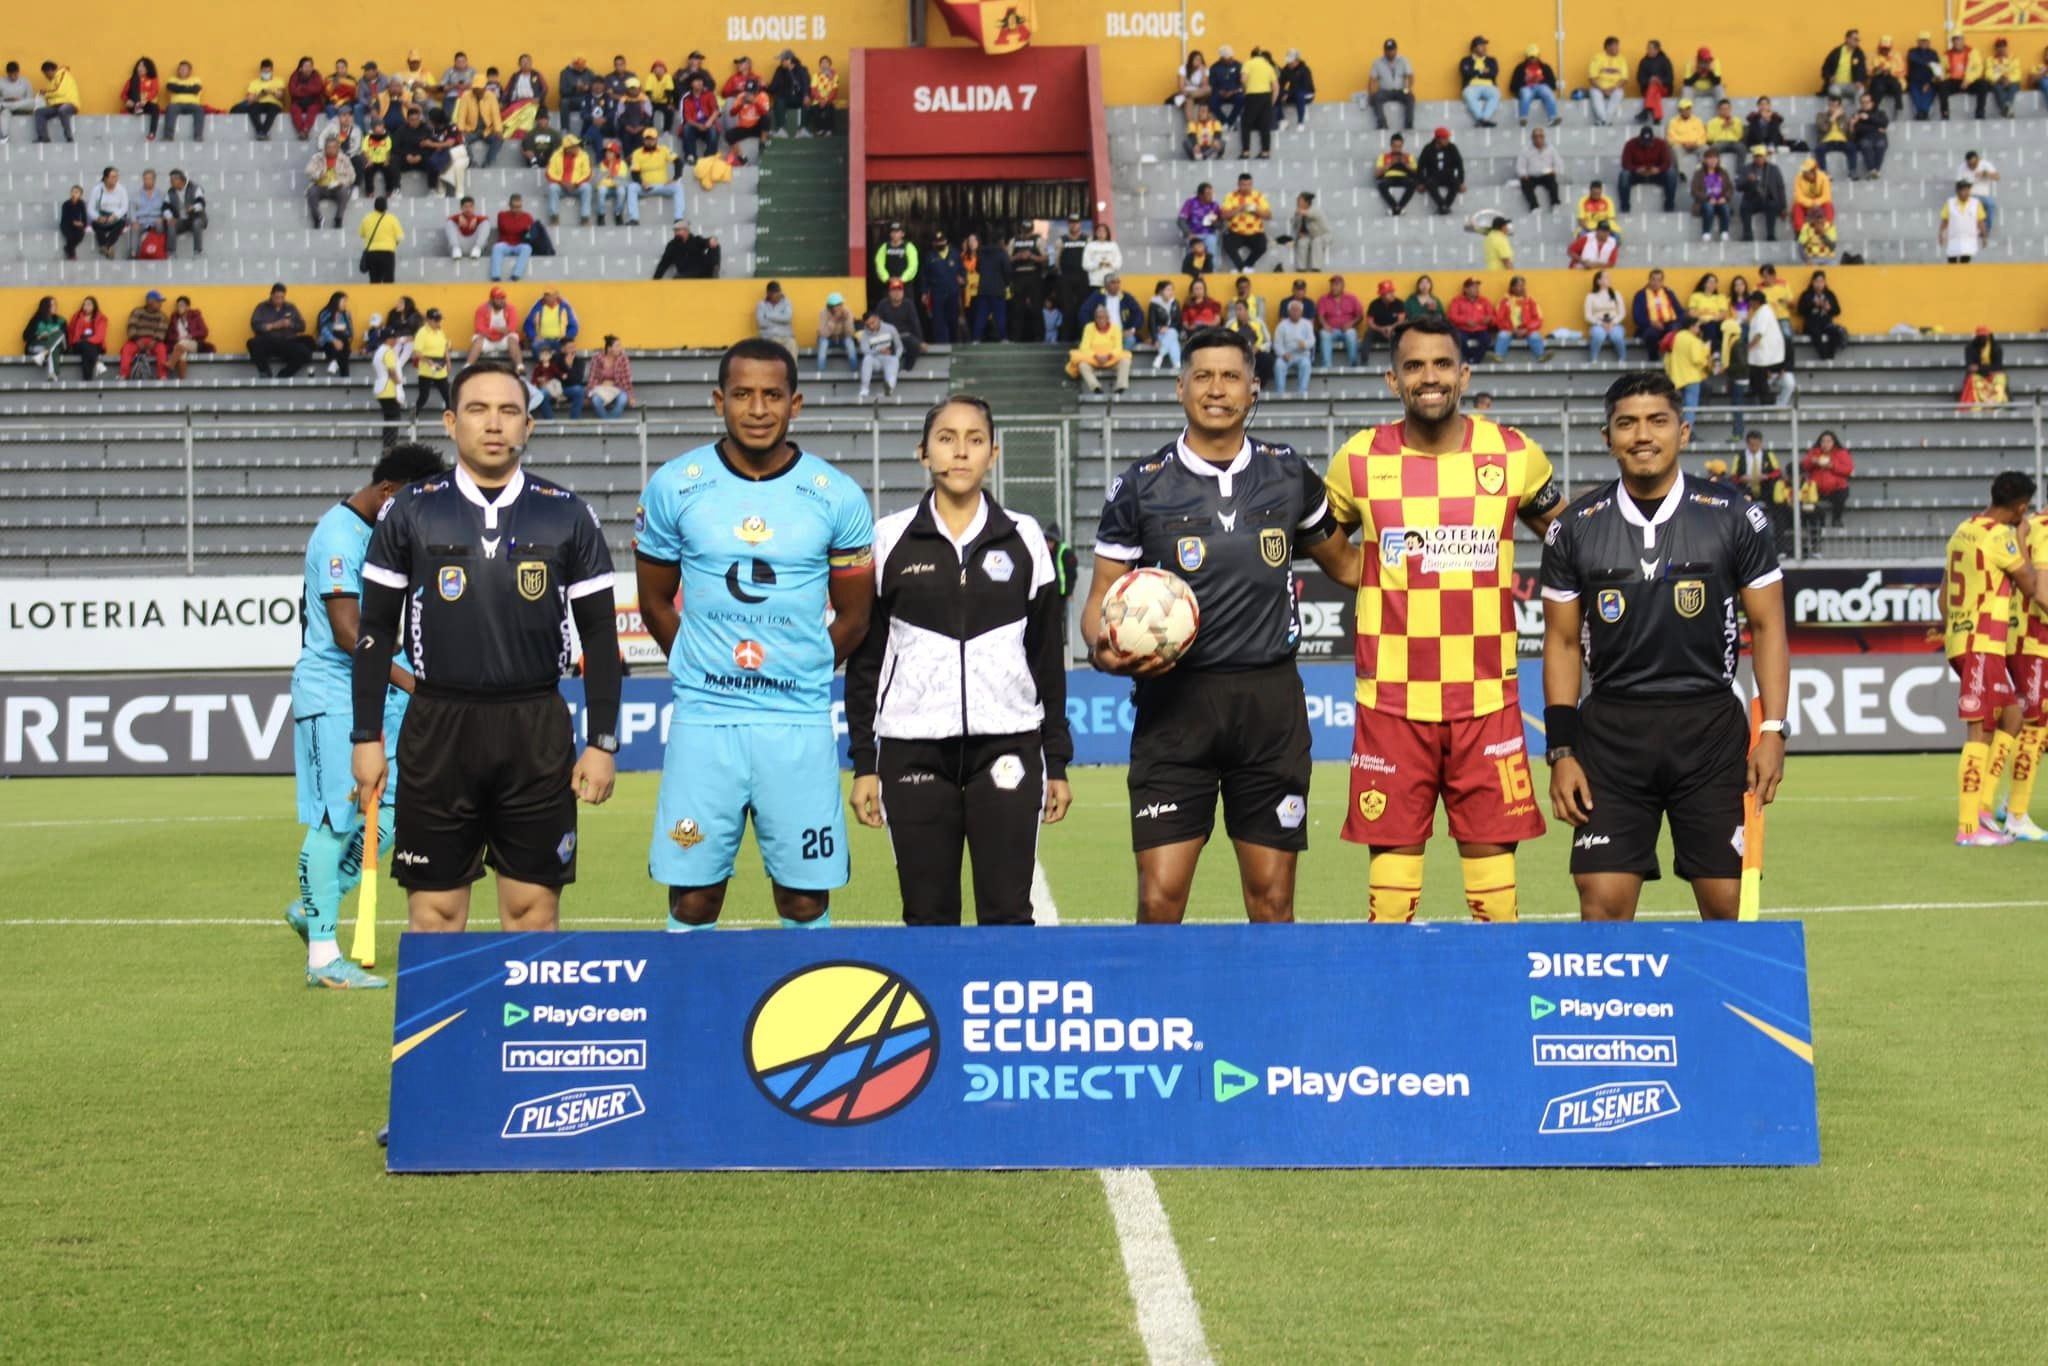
<point>1604,1050</point>
<point>1614,1008</point>
<point>1598,964</point>
<point>560,1055</point>
<point>564,1114</point>
<point>570,972</point>
<point>1605,1108</point>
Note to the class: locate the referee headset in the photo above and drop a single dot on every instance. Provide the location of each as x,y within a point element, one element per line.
<point>931,417</point>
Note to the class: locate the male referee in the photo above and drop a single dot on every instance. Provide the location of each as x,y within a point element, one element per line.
<point>1664,559</point>
<point>1228,513</point>
<point>495,560</point>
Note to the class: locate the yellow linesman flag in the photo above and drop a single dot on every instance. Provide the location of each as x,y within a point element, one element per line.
<point>998,25</point>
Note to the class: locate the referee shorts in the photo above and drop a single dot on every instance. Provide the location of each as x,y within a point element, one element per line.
<point>1987,685</point>
<point>1245,734</point>
<point>1479,765</point>
<point>2030,681</point>
<point>1682,758</point>
<point>485,782</point>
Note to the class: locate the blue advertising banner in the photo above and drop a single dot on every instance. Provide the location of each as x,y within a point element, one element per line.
<point>1214,1045</point>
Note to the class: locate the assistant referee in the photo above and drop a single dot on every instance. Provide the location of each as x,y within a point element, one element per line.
<point>1645,574</point>
<point>494,561</point>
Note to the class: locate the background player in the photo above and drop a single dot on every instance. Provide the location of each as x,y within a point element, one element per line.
<point>1437,495</point>
<point>1645,573</point>
<point>1984,563</point>
<point>2029,663</point>
<point>758,536</point>
<point>331,856</point>
<point>1228,513</point>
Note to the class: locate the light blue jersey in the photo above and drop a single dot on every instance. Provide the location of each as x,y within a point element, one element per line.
<point>321,705</point>
<point>757,556</point>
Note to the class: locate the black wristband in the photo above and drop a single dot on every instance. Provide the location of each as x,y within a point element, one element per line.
<point>365,737</point>
<point>1561,727</point>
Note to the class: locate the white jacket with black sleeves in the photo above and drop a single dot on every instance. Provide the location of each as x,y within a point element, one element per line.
<point>966,637</point>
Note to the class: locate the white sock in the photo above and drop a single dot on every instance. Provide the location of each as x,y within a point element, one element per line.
<point>321,952</point>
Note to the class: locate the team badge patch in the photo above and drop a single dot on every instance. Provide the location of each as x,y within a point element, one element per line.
<point>639,520</point>
<point>1006,772</point>
<point>749,655</point>
<point>1291,812</point>
<point>753,530</point>
<point>692,471</point>
<point>533,579</point>
<point>566,850</point>
<point>1611,603</point>
<point>998,565</point>
<point>821,482</point>
<point>1690,597</point>
<point>686,834</point>
<point>1492,478</point>
<point>1273,546</point>
<point>1191,552</point>
<point>334,568</point>
<point>1372,804</point>
<point>451,581</point>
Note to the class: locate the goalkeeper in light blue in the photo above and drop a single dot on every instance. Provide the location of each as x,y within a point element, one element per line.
<point>331,857</point>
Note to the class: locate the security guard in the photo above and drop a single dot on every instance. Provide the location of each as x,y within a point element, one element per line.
<point>1645,573</point>
<point>494,561</point>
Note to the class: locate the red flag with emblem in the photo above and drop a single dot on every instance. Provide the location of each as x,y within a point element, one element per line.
<point>998,25</point>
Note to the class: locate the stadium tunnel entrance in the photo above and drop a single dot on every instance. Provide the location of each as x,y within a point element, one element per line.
<point>995,212</point>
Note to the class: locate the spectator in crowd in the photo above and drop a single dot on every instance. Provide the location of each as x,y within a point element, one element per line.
<point>1604,319</point>
<point>945,281</point>
<point>1479,83</point>
<point>1764,348</point>
<point>880,350</point>
<point>1309,233</point>
<point>1201,217</point>
<point>1817,241</point>
<point>675,255</point>
<point>1761,191</point>
<point>1983,177</point>
<point>899,311</point>
<point>1813,194</point>
<point>775,318</point>
<point>2001,79</point>
<point>1027,281</point>
<point>184,211</point>
<point>341,88</point>
<point>1200,310</point>
<point>411,153</point>
<point>1778,295</point>
<point>746,114</point>
<point>107,209</point>
<point>1828,468</point>
<point>1391,81</point>
<point>480,118</point>
<point>1713,195</point>
<point>414,80</point>
<point>148,215</point>
<point>1821,311</point>
<point>455,82</point>
<point>1757,470</point>
<point>788,88</point>
<point>1647,160</point>
<point>1832,133</point>
<point>1518,317</point>
<point>1495,234</point>
<point>494,333</point>
<point>278,336</point>
<point>141,95</point>
<point>1708,304</point>
<point>1764,127</point>
<point>334,333</point>
<point>537,149</point>
<point>698,115</point>
<point>1962,73</point>
<point>330,178</point>
<point>1595,250</point>
<point>433,358</point>
<point>836,329</point>
<point>73,222</point>
<point>341,126</point>
<point>1395,177</point>
<point>1383,316</point>
<point>147,328</point>
<point>378,173</point>
<point>1844,70</point>
<point>1888,76</point>
<point>1246,212</point>
<point>1686,133</point>
<point>188,335</point>
<point>1297,89</point>
<point>1717,473</point>
<point>43,339</point>
<point>551,319</point>
<point>1424,302</point>
<point>616,190</point>
<point>574,86</point>
<point>1192,82</point>
<point>1253,329</point>
<point>404,318</point>
<point>387,382</point>
<point>655,168</point>
<point>611,378</point>
<point>1472,316</point>
<point>514,226</point>
<point>1294,346</point>
<point>305,92</point>
<point>1964,229</point>
<point>263,100</point>
<point>1129,314</point>
<point>1261,83</point>
<point>59,96</point>
<point>820,112</point>
<point>569,175</point>
<point>1594,209</point>
<point>1984,382</point>
<point>1724,133</point>
<point>1870,132</point>
<point>17,96</point>
<point>381,233</point>
<point>468,232</point>
<point>1703,76</point>
<point>1441,168</point>
<point>1100,350</point>
<point>1340,314</point>
<point>86,338</point>
<point>1205,140</point>
<point>1100,259</point>
<point>1226,86</point>
<point>1655,81</point>
<point>1924,78</point>
<point>1536,168</point>
<point>184,97</point>
<point>1691,361</point>
<point>1163,320</point>
<point>700,255</point>
<point>1657,314</point>
<point>1196,260</point>
<point>897,256</point>
<point>1606,83</point>
<point>561,376</point>
<point>1533,82</point>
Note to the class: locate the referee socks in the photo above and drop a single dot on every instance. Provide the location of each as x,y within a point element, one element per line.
<point>1490,888</point>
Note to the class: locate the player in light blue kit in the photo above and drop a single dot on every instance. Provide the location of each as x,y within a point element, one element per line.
<point>759,536</point>
<point>331,858</point>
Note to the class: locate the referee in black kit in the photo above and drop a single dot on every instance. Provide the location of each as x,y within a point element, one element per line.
<point>1644,574</point>
<point>1228,513</point>
<point>494,561</point>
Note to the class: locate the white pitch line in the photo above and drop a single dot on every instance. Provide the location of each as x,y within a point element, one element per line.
<point>1044,910</point>
<point>285,818</point>
<point>1169,1323</point>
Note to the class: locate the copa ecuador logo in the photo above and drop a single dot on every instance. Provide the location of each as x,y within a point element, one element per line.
<point>841,1043</point>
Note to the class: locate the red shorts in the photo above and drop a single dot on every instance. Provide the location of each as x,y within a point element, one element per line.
<point>1480,767</point>
<point>1987,685</point>
<point>2030,681</point>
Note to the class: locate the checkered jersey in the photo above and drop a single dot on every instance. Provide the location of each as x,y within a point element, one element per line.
<point>1977,591</point>
<point>2032,639</point>
<point>1436,610</point>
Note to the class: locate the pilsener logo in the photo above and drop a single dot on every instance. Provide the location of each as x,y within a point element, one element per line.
<point>1605,1050</point>
<point>564,1114</point>
<point>571,972</point>
<point>1605,1108</point>
<point>841,1043</point>
<point>560,1055</point>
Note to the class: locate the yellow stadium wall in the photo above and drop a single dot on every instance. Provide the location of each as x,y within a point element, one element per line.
<point>705,313</point>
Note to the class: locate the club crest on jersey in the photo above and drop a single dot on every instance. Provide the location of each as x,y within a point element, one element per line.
<point>998,566</point>
<point>1372,804</point>
<point>753,530</point>
<point>451,581</point>
<point>1191,552</point>
<point>1611,605</point>
<point>692,471</point>
<point>1492,478</point>
<point>1273,546</point>
<point>686,834</point>
<point>532,579</point>
<point>1689,596</point>
<point>639,520</point>
<point>749,655</point>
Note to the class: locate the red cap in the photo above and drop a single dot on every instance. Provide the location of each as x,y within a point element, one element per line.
<point>1983,331</point>
<point>1443,132</point>
<point>1386,286</point>
<point>1473,280</point>
<point>497,291</point>
<point>1707,53</point>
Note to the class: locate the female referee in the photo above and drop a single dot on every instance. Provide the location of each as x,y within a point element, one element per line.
<point>956,699</point>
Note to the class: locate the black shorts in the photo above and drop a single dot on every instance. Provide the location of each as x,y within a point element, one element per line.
<point>1682,758</point>
<point>485,781</point>
<point>1245,733</point>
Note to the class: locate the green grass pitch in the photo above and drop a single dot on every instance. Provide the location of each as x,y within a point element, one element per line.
<point>189,1172</point>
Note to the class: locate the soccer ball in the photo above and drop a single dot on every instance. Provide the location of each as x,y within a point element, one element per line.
<point>1151,612</point>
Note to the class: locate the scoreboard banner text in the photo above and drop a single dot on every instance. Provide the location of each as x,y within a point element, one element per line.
<point>1203,1046</point>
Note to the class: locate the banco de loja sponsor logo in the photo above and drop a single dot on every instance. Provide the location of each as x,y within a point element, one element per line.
<point>564,1055</point>
<point>1609,1106</point>
<point>564,1114</point>
<point>1598,964</point>
<point>571,972</point>
<point>1604,1050</point>
<point>1613,1008</point>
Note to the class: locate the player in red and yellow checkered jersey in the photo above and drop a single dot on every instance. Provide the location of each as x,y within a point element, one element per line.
<point>2029,665</point>
<point>1438,715</point>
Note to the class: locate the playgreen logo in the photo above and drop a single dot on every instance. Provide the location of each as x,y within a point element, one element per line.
<point>1231,1081</point>
<point>515,1014</point>
<point>1539,1007</point>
